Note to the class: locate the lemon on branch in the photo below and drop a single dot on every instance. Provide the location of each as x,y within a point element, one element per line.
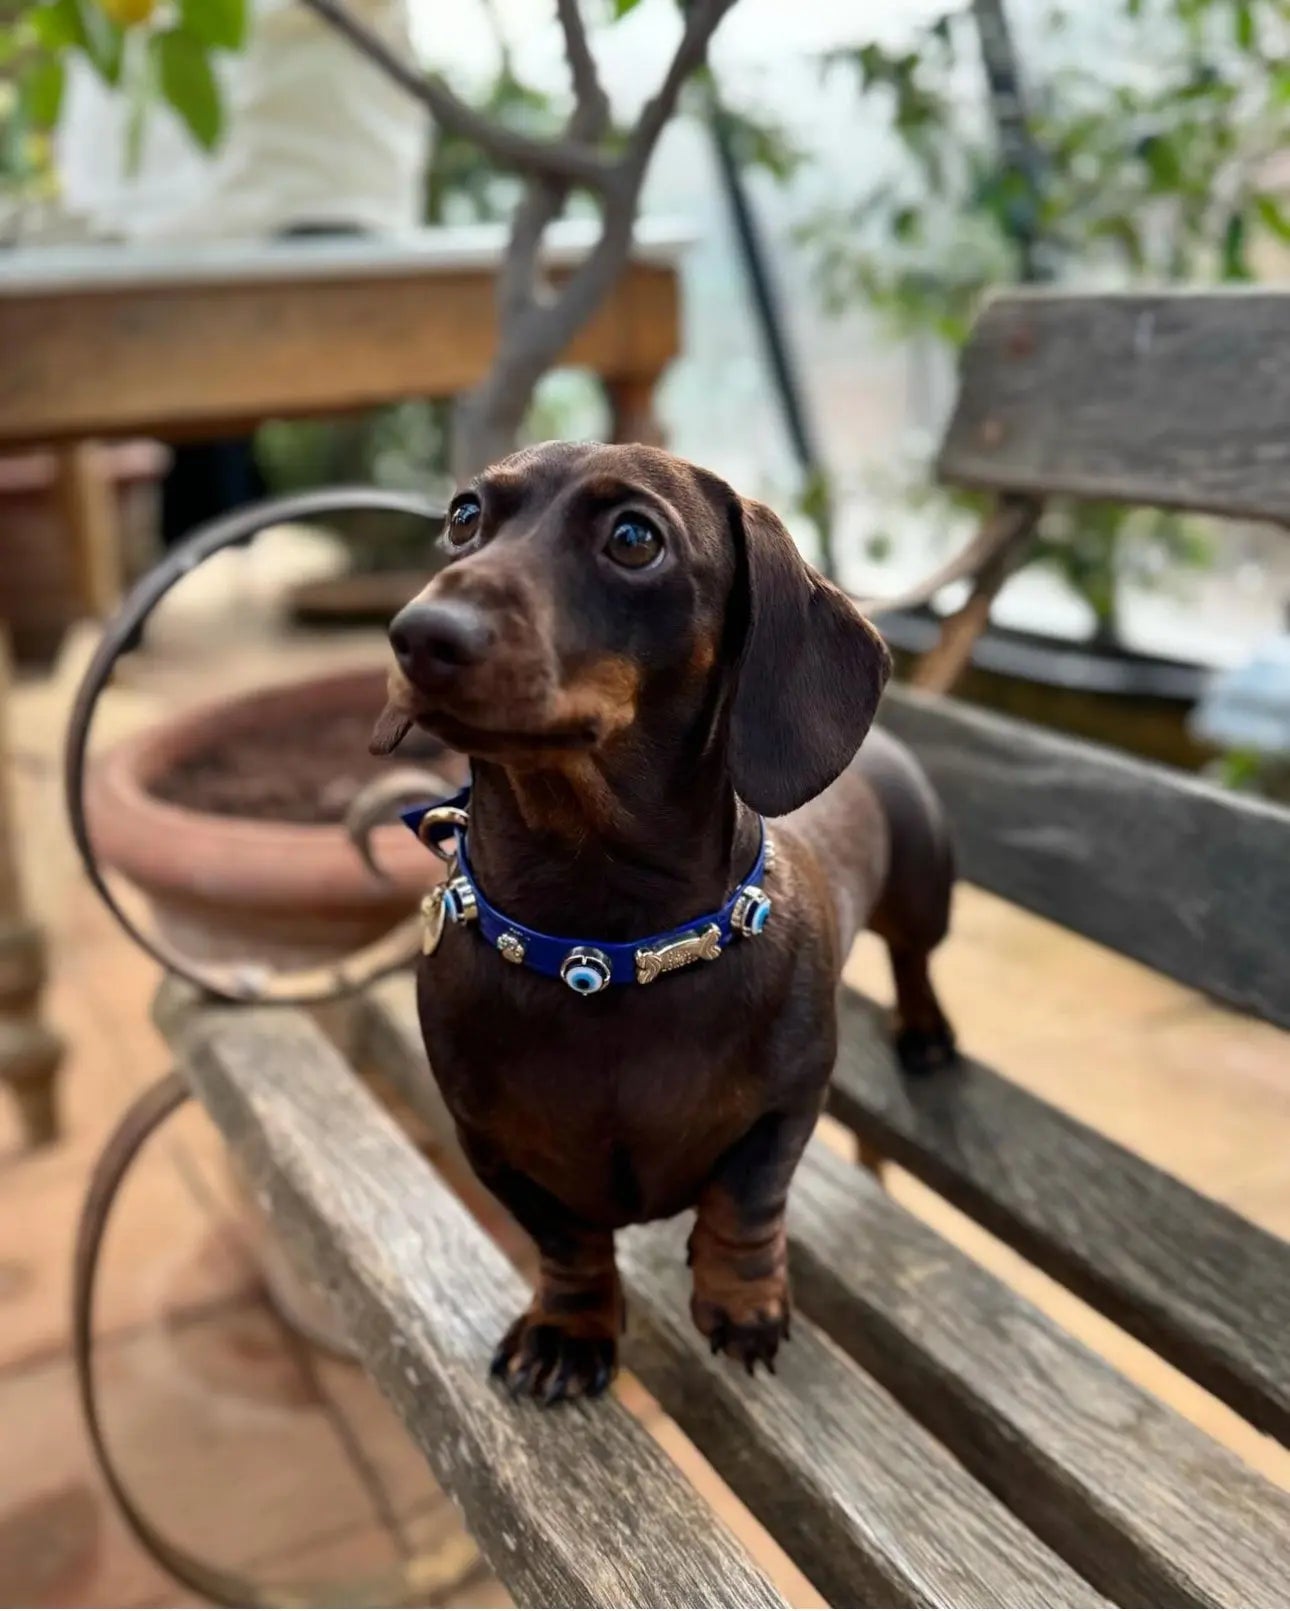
<point>128,13</point>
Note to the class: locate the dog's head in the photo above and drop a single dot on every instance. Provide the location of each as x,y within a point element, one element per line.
<point>593,591</point>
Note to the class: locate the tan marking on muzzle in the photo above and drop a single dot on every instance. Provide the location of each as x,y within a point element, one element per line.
<point>604,692</point>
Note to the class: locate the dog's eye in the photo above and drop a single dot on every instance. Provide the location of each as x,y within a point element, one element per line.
<point>463,517</point>
<point>633,543</point>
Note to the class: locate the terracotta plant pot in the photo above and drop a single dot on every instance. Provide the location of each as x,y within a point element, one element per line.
<point>227,888</point>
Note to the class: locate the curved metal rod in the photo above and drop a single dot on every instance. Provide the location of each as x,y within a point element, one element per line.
<point>240,982</point>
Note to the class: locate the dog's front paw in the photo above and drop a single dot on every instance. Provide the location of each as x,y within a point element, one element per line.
<point>543,1359</point>
<point>749,1333</point>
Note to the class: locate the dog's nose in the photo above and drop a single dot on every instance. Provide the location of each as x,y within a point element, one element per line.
<point>434,640</point>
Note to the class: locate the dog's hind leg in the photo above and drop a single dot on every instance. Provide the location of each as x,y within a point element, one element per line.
<point>923,1037</point>
<point>739,1244</point>
<point>913,910</point>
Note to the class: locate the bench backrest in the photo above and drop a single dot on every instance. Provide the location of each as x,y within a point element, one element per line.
<point>1180,400</point>
<point>1191,879</point>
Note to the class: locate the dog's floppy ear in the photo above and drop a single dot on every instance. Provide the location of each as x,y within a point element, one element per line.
<point>809,676</point>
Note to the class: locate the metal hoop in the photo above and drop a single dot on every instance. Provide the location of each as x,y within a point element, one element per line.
<point>236,982</point>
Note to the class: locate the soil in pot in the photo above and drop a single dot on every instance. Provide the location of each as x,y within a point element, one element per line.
<point>282,773</point>
<point>228,819</point>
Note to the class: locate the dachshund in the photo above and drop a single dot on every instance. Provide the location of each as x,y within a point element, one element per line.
<point>642,669</point>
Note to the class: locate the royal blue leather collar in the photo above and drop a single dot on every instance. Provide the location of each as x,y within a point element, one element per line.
<point>586,966</point>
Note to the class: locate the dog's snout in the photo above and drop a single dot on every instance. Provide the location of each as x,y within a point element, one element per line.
<point>433,640</point>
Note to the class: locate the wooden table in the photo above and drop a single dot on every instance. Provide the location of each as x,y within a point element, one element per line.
<point>185,343</point>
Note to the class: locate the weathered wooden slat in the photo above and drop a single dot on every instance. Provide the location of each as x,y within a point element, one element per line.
<point>1195,1281</point>
<point>869,1505</point>
<point>577,1508</point>
<point>1141,1502</point>
<point>1176,399</point>
<point>1190,879</point>
<point>866,1501</point>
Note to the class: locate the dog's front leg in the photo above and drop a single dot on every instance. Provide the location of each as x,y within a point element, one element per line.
<point>565,1344</point>
<point>739,1244</point>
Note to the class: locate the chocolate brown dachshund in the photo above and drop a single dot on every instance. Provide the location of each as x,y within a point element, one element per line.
<point>641,668</point>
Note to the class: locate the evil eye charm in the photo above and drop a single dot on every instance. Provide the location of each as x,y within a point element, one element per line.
<point>459,904</point>
<point>752,911</point>
<point>586,970</point>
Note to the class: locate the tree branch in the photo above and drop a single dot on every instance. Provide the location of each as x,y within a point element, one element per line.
<point>534,332</point>
<point>544,201</point>
<point>592,279</point>
<point>564,162</point>
<point>587,91</point>
<point>702,19</point>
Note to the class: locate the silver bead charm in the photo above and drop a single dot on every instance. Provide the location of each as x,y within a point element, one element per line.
<point>459,904</point>
<point>752,911</point>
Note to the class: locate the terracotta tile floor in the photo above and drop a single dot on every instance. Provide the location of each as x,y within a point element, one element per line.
<point>272,1457</point>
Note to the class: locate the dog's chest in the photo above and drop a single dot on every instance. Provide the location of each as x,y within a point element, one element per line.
<point>618,1105</point>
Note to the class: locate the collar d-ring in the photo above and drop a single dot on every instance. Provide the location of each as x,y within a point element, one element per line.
<point>430,831</point>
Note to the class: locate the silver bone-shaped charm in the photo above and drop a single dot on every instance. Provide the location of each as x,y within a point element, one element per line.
<point>704,945</point>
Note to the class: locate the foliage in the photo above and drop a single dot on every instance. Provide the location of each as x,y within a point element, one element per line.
<point>411,443</point>
<point>142,48</point>
<point>492,150</point>
<point>1154,161</point>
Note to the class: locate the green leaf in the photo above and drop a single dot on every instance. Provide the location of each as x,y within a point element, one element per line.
<point>79,25</point>
<point>905,223</point>
<point>757,142</point>
<point>189,85</point>
<point>1163,161</point>
<point>100,38</point>
<point>56,24</point>
<point>1243,24</point>
<point>622,7</point>
<point>15,162</point>
<point>221,24</point>
<point>1272,217</point>
<point>1123,231</point>
<point>42,91</point>
<point>1235,266</point>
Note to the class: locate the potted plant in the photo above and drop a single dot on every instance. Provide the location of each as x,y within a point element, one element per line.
<point>1115,172</point>
<point>230,820</point>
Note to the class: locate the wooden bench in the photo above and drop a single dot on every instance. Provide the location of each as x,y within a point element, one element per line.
<point>931,1438</point>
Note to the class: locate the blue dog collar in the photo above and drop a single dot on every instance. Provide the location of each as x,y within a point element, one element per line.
<point>586,966</point>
